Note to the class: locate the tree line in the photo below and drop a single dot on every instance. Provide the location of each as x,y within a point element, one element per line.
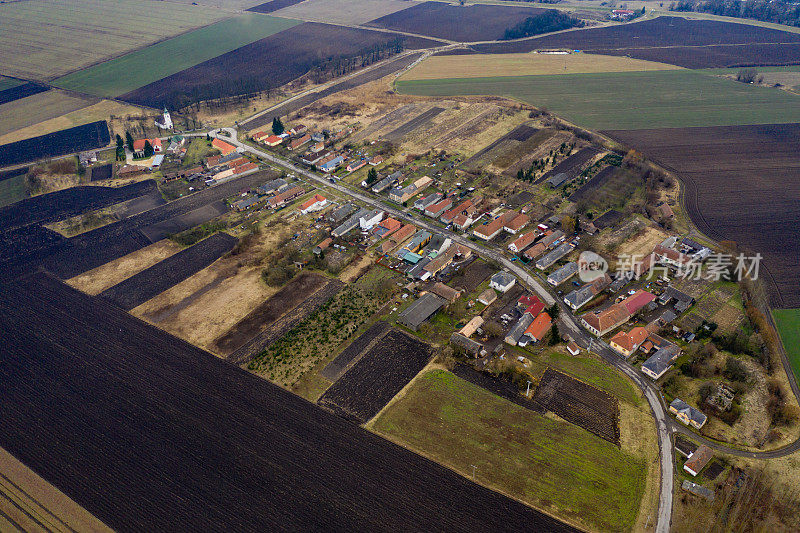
<point>549,21</point>
<point>778,11</point>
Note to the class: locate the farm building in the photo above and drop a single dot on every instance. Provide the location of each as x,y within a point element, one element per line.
<point>157,160</point>
<point>562,274</point>
<point>246,203</point>
<point>699,490</point>
<point>552,257</point>
<point>441,260</point>
<point>553,239</point>
<point>516,332</point>
<point>355,165</point>
<point>558,180</point>
<point>341,213</point>
<point>487,297</point>
<point>315,203</point>
<point>272,187</point>
<point>322,246</point>
<point>377,160</point>
<point>222,146</point>
<point>420,311</point>
<point>573,348</point>
<point>350,224</point>
<point>523,241</point>
<point>139,145</point>
<point>682,300</point>
<point>661,361</point>
<point>448,293</point>
<point>283,198</point>
<point>670,257</point>
<point>537,330</point>
<point>470,346</point>
<point>627,343</point>
<point>516,223</point>
<point>418,271</point>
<point>687,414</point>
<point>698,460</point>
<point>581,296</point>
<point>601,322</point>
<point>370,219</point>
<point>472,326</point>
<point>502,281</point>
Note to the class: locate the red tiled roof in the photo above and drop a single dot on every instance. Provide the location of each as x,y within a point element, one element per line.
<point>138,144</point>
<point>222,146</point>
<point>539,326</point>
<point>518,222</point>
<point>637,301</point>
<point>311,201</point>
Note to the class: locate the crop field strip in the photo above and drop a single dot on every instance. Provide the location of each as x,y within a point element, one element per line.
<point>571,165</point>
<point>79,138</point>
<point>279,58</point>
<point>21,91</point>
<point>34,46</point>
<point>788,324</point>
<point>608,219</point>
<point>345,12</point>
<point>41,107</point>
<point>600,179</point>
<point>419,121</point>
<point>352,352</point>
<point>150,64</point>
<point>285,323</point>
<point>254,457</point>
<point>273,5</point>
<point>102,172</point>
<point>725,55</point>
<point>521,133</point>
<point>8,83</point>
<point>152,281</point>
<point>377,377</point>
<point>497,386</point>
<point>576,402</point>
<point>742,184</point>
<point>474,22</point>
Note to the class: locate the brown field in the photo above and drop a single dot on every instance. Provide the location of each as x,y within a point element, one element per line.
<point>42,39</point>
<point>40,107</point>
<point>99,279</point>
<point>341,11</point>
<point>742,185</point>
<point>484,65</point>
<point>31,122</point>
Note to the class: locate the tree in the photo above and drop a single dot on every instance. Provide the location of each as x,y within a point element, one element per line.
<point>277,126</point>
<point>568,224</point>
<point>493,329</point>
<point>372,176</point>
<point>148,149</point>
<point>129,140</point>
<point>555,337</point>
<point>553,311</point>
<point>120,148</point>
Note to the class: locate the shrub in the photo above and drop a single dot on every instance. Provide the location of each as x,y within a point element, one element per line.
<point>735,370</point>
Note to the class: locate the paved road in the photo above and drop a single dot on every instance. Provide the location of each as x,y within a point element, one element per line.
<point>581,337</point>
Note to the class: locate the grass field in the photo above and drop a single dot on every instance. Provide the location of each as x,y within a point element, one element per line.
<point>550,464</point>
<point>12,190</point>
<point>39,108</point>
<point>490,65</point>
<point>7,83</point>
<point>42,39</point>
<point>788,321</point>
<point>630,100</point>
<point>160,60</point>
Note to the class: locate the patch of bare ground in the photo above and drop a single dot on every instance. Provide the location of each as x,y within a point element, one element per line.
<point>356,268</point>
<point>636,235</point>
<point>637,432</point>
<point>99,279</point>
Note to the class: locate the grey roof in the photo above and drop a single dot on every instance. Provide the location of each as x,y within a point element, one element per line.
<point>694,245</point>
<point>659,362</point>
<point>503,278</point>
<point>419,237</point>
<point>580,296</point>
<point>273,186</point>
<point>246,202</point>
<point>340,213</point>
<point>550,258</point>
<point>558,179</point>
<point>470,345</point>
<point>695,415</point>
<point>421,310</point>
<point>563,273</point>
<point>429,200</point>
<point>383,184</point>
<point>548,240</point>
<point>419,268</point>
<point>350,223</point>
<point>671,293</point>
<point>519,328</point>
<point>700,490</point>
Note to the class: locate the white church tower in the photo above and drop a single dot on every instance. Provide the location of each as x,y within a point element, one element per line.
<point>166,124</point>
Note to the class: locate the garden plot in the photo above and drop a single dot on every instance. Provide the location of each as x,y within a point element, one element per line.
<point>354,350</point>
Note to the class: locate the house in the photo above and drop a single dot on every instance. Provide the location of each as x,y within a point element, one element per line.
<point>553,256</point>
<point>355,165</point>
<point>436,210</point>
<point>502,281</point>
<point>370,219</point>
<point>222,146</point>
<point>448,293</point>
<point>272,141</point>
<point>463,222</point>
<point>487,297</point>
<point>516,332</point>
<point>322,246</point>
<point>404,194</point>
<point>387,227</point>
<point>601,322</point>
<point>283,198</point>
<point>440,261</point>
<point>637,300</point>
<point>315,203</point>
<point>317,148</point>
<point>698,460</point>
<point>401,235</point>
<point>245,203</point>
<point>562,274</point>
<point>297,142</point>
<point>239,161</point>
<point>298,129</point>
<point>537,330</point>
<point>273,187</point>
<point>686,414</point>
<point>535,251</point>
<point>627,343</point>
<point>682,300</point>
<point>420,239</point>
<point>377,160</point>
<point>642,267</point>
<point>383,184</point>
<point>139,144</point>
<point>670,257</point>
<point>516,223</point>
<point>665,211</point>
<point>523,241</point>
<point>464,208</point>
<point>661,361</point>
<point>437,245</point>
<point>312,158</point>
<point>581,296</point>
<point>330,162</point>
<point>469,345</point>
<point>472,326</point>
<point>573,348</point>
<point>423,203</point>
<point>420,311</point>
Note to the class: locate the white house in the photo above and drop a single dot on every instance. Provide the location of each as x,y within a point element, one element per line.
<point>315,203</point>
<point>371,219</point>
<point>502,281</point>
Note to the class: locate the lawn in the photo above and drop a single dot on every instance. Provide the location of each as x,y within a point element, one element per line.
<point>163,59</point>
<point>547,463</point>
<point>788,321</point>
<point>630,100</point>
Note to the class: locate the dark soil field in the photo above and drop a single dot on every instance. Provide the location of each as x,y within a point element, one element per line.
<point>63,142</point>
<point>354,350</point>
<point>55,206</point>
<point>377,377</point>
<point>471,276</point>
<point>571,165</point>
<point>279,59</point>
<point>496,385</point>
<point>152,281</point>
<point>102,172</point>
<point>520,199</point>
<point>714,469</point>
<point>8,174</point>
<point>272,319</point>
<point>21,91</point>
<point>661,36</point>
<point>742,184</point>
<point>149,433</point>
<point>580,404</point>
<point>376,73</point>
<point>274,5</point>
<point>600,179</point>
<point>608,219</point>
<point>415,123</point>
<point>469,23</point>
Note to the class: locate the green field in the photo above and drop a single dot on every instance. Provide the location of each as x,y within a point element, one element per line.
<point>12,190</point>
<point>7,83</point>
<point>788,321</point>
<point>631,100</point>
<point>550,464</point>
<point>160,60</point>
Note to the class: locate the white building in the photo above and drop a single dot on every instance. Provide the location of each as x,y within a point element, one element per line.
<point>371,219</point>
<point>502,281</point>
<point>166,121</point>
